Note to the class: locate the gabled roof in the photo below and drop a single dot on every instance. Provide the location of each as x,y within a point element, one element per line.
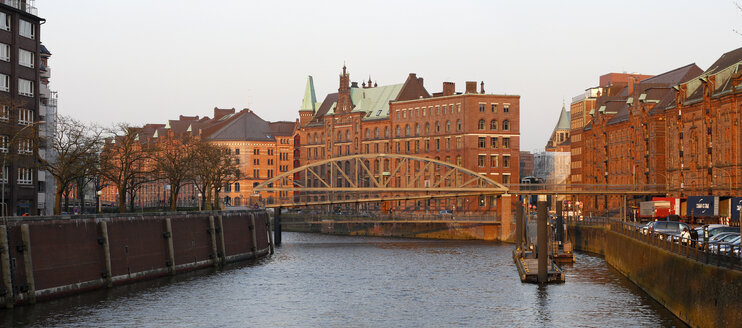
<point>245,126</point>
<point>374,102</point>
<point>723,69</point>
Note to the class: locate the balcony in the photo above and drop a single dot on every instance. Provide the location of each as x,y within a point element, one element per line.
<point>46,72</point>
<point>27,6</point>
<point>44,91</point>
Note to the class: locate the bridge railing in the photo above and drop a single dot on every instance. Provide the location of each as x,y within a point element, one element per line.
<point>722,254</point>
<point>394,216</point>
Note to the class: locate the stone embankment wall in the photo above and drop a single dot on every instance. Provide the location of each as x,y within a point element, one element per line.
<point>47,257</point>
<point>701,295</point>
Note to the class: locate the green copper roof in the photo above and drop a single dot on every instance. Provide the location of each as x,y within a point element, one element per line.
<point>374,101</point>
<point>563,123</point>
<point>310,100</point>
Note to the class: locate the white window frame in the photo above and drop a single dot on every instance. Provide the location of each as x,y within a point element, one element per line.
<point>4,52</point>
<point>22,53</point>
<point>25,116</point>
<point>24,91</point>
<point>4,21</point>
<point>25,147</point>
<point>23,29</point>
<point>25,176</point>
<point>4,79</point>
<point>3,144</point>
<point>4,113</point>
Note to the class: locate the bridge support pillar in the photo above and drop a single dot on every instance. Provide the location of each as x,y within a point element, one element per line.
<point>542,240</point>
<point>519,226</point>
<point>277,226</point>
<point>506,217</point>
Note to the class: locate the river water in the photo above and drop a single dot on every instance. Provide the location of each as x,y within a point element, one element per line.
<point>335,281</point>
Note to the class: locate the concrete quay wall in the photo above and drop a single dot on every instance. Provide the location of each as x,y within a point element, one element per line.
<point>701,295</point>
<point>48,257</point>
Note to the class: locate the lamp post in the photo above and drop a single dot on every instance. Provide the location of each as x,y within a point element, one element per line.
<point>5,174</point>
<point>199,202</point>
<point>730,181</point>
<point>100,192</point>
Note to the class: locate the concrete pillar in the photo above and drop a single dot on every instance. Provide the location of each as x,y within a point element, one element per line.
<point>212,232</point>
<point>559,223</point>
<point>519,226</point>
<point>170,249</point>
<point>254,236</point>
<point>5,263</point>
<point>506,217</point>
<point>220,230</point>
<point>277,225</point>
<point>543,257</point>
<point>28,263</point>
<point>106,253</point>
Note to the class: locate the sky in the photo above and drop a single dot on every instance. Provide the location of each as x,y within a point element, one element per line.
<point>144,61</point>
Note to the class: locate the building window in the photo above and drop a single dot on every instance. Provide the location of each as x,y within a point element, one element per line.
<point>482,142</point>
<point>437,144</point>
<point>236,151</point>
<point>494,108</point>
<point>494,161</point>
<point>256,161</point>
<point>26,29</point>
<point>506,143</point>
<point>427,128</point>
<point>493,142</point>
<point>480,125</point>
<point>506,179</point>
<point>25,58</point>
<point>376,133</point>
<point>386,132</point>
<point>458,160</point>
<point>459,143</point>
<point>256,173</point>
<point>458,125</point>
<point>481,160</point>
<point>4,82</point>
<point>25,176</point>
<point>25,116</point>
<point>482,201</point>
<point>3,143</point>
<point>493,125</point>
<point>398,147</point>
<point>506,125</point>
<point>270,152</point>
<point>4,21</point>
<point>481,108</point>
<point>228,187</point>
<point>25,87</point>
<point>437,127</point>
<point>448,126</point>
<point>407,130</point>
<point>506,109</point>
<point>417,129</point>
<point>237,161</point>
<point>399,131</point>
<point>437,110</point>
<point>25,147</point>
<point>427,145</point>
<point>4,177</point>
<point>4,52</point>
<point>4,113</point>
<point>506,161</point>
<point>448,143</point>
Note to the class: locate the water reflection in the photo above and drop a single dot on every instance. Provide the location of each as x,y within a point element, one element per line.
<point>331,281</point>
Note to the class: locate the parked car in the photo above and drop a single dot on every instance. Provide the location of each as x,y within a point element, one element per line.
<point>726,246</point>
<point>713,230</point>
<point>673,228</point>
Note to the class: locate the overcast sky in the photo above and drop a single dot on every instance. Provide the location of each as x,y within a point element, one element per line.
<point>145,61</point>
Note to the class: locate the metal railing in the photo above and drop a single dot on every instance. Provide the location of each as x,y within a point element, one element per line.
<point>396,216</point>
<point>721,254</point>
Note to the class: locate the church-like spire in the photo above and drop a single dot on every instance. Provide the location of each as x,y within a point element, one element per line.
<point>563,123</point>
<point>309,101</point>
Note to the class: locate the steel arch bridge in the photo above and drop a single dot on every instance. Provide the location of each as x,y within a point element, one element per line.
<point>367,178</point>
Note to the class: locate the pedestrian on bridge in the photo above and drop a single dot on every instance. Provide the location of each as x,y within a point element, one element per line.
<point>693,237</point>
<point>685,236</point>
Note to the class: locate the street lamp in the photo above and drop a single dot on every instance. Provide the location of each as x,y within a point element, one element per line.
<point>100,192</point>
<point>730,181</point>
<point>199,202</point>
<point>5,174</point>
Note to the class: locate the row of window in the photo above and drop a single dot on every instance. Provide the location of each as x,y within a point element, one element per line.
<point>25,116</point>
<point>25,57</point>
<point>25,146</point>
<point>447,109</point>
<point>25,87</point>
<point>26,29</point>
<point>25,176</point>
<point>494,161</point>
<point>255,151</point>
<point>493,107</point>
<point>482,142</point>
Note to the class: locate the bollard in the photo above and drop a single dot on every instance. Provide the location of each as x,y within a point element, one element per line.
<point>170,249</point>
<point>221,239</point>
<point>254,237</point>
<point>543,257</point>
<point>5,258</point>
<point>212,232</point>
<point>28,263</point>
<point>106,253</point>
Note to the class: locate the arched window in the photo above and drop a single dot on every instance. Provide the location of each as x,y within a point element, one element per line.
<point>407,130</point>
<point>340,136</point>
<point>493,125</point>
<point>347,135</point>
<point>506,125</point>
<point>448,126</point>
<point>427,128</point>
<point>237,187</point>
<point>399,130</point>
<point>437,127</point>
<point>367,134</point>
<point>480,125</point>
<point>417,129</point>
<point>458,125</point>
<point>376,134</point>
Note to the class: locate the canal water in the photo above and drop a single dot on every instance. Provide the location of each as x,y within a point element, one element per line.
<point>335,281</point>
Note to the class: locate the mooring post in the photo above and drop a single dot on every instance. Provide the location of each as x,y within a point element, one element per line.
<point>212,232</point>
<point>106,253</point>
<point>277,225</point>
<point>254,236</point>
<point>170,249</point>
<point>543,257</point>
<point>5,258</point>
<point>559,225</point>
<point>519,226</point>
<point>220,230</point>
<point>269,229</point>
<point>28,263</point>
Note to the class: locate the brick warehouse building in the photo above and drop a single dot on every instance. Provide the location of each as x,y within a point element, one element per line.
<point>475,130</point>
<point>20,86</point>
<point>262,150</point>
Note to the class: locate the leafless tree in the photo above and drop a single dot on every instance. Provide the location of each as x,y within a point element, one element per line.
<point>212,167</point>
<point>126,162</point>
<point>173,163</point>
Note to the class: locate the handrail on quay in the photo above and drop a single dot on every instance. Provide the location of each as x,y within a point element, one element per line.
<point>720,254</point>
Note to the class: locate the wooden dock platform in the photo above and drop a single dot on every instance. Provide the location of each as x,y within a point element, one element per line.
<point>528,269</point>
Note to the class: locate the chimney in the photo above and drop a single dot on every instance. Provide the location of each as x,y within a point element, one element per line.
<point>354,84</point>
<point>449,88</point>
<point>471,86</point>
<point>481,87</point>
<point>420,81</point>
